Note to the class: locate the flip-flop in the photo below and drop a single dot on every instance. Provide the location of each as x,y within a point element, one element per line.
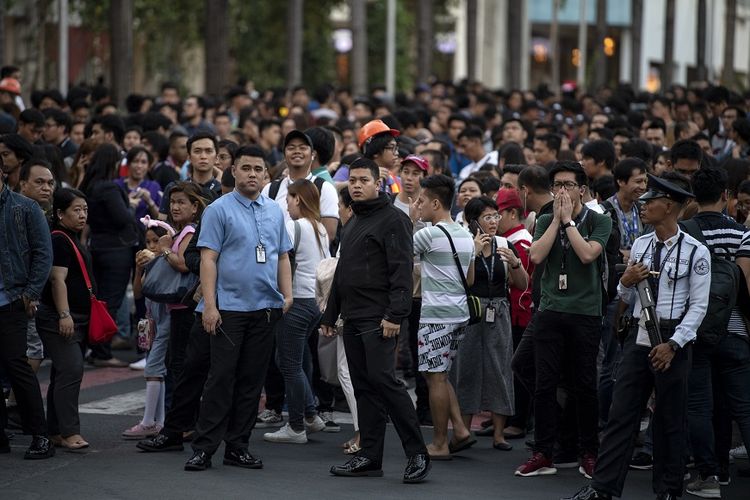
<point>441,457</point>
<point>353,449</point>
<point>78,446</point>
<point>57,441</point>
<point>502,446</point>
<point>462,445</point>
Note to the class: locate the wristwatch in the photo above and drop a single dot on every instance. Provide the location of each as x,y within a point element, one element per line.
<point>570,223</point>
<point>674,345</point>
<point>166,253</point>
<point>64,314</point>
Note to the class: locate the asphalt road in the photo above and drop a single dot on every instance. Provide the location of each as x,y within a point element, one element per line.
<point>115,469</point>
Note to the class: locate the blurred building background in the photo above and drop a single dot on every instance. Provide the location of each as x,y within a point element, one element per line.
<point>208,45</point>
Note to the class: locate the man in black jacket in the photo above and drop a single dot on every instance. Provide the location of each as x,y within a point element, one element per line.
<point>372,292</point>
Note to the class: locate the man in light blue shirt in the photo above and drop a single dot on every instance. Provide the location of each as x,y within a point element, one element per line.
<point>246,280</point>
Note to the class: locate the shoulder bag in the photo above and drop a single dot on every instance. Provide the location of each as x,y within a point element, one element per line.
<point>472,302</point>
<point>101,325</point>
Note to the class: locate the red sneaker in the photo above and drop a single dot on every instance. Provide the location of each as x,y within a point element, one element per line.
<point>537,465</point>
<point>588,463</point>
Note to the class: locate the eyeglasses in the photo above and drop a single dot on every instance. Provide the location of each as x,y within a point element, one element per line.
<point>567,185</point>
<point>393,148</point>
<point>491,217</point>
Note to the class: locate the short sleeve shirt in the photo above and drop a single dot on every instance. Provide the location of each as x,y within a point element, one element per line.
<point>329,198</point>
<point>234,226</point>
<point>583,293</point>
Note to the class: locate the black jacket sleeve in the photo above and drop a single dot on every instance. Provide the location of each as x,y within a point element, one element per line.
<point>192,253</point>
<point>399,253</point>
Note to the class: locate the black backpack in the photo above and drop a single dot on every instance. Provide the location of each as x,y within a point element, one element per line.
<point>273,190</point>
<point>610,256</point>
<point>725,286</point>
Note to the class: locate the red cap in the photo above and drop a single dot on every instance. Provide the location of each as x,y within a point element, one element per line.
<point>508,198</point>
<point>420,162</point>
<point>10,85</point>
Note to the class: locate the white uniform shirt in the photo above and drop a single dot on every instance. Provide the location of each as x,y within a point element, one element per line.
<point>684,282</point>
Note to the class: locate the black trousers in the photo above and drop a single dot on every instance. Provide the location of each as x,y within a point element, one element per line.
<point>372,366</point>
<point>421,389</point>
<point>239,360</point>
<point>522,364</point>
<point>13,324</point>
<point>635,381</point>
<point>186,397</point>
<point>566,342</point>
<point>523,397</point>
<point>274,383</point>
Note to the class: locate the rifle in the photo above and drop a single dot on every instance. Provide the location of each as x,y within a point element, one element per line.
<point>648,312</point>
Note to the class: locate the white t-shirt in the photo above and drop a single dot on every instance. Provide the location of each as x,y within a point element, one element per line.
<point>490,158</point>
<point>329,198</point>
<point>308,256</point>
<point>443,293</point>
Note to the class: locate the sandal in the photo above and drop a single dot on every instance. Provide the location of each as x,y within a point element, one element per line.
<point>77,445</point>
<point>464,444</point>
<point>353,449</point>
<point>57,440</point>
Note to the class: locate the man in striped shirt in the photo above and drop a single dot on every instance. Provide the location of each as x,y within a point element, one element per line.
<point>723,368</point>
<point>444,308</point>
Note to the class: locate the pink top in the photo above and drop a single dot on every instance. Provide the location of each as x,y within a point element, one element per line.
<point>189,229</point>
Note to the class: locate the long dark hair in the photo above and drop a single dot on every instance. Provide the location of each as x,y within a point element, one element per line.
<point>103,166</point>
<point>309,204</point>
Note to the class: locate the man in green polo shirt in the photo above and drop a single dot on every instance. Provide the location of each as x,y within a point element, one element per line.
<point>568,244</point>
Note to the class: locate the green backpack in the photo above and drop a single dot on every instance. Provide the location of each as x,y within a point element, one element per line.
<point>725,286</point>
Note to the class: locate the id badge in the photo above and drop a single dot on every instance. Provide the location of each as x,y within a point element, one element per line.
<point>563,282</point>
<point>489,314</point>
<point>260,254</point>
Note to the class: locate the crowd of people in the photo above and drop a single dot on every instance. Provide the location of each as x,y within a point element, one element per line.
<point>563,266</point>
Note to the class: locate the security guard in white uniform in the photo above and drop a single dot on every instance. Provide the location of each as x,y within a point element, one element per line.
<point>678,268</point>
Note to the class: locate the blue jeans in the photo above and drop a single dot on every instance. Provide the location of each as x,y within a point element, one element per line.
<point>295,359</point>
<point>723,370</point>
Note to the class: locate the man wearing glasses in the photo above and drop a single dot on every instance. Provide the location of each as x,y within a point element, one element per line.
<point>377,141</point>
<point>568,244</point>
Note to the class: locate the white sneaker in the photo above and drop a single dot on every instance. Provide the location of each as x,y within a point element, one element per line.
<point>739,452</point>
<point>286,435</point>
<point>316,424</point>
<point>138,365</point>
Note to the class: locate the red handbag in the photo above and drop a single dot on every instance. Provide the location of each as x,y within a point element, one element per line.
<point>101,325</point>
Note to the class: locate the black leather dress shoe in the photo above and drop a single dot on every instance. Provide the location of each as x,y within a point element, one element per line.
<point>417,468</point>
<point>589,493</point>
<point>160,442</point>
<point>358,467</point>
<point>242,458</point>
<point>199,461</point>
<point>41,448</point>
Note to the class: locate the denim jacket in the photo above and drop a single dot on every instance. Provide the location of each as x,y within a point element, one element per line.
<point>25,246</point>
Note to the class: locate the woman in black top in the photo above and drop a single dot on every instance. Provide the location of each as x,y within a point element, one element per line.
<point>113,238</point>
<point>484,381</point>
<point>62,319</point>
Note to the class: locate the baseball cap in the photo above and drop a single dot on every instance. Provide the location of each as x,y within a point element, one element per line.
<point>508,198</point>
<point>420,162</point>
<point>298,134</point>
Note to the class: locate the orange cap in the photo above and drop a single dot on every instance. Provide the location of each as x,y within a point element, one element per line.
<point>373,128</point>
<point>10,85</point>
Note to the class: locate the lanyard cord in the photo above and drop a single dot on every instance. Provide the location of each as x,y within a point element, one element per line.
<point>491,268</point>
<point>633,231</point>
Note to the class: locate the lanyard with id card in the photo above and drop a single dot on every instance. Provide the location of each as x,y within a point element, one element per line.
<point>489,312</point>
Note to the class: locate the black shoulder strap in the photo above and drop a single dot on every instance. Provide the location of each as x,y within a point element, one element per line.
<point>274,189</point>
<point>692,228</point>
<point>455,257</point>
<point>319,182</point>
